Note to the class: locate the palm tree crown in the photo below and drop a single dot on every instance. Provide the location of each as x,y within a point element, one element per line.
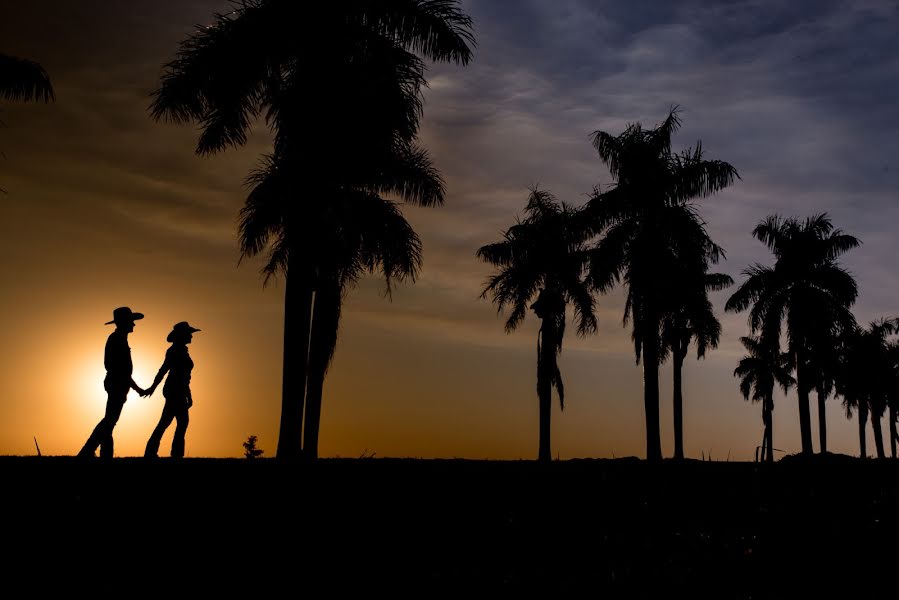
<point>23,80</point>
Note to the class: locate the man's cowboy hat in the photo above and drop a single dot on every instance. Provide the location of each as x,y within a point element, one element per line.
<point>123,314</point>
<point>180,329</point>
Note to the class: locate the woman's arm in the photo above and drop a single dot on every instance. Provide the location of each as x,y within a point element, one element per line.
<point>138,388</point>
<point>159,375</point>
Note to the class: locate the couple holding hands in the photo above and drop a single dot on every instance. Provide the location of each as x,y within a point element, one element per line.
<point>118,383</point>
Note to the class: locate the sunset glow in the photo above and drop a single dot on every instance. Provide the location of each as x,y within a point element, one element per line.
<point>106,208</point>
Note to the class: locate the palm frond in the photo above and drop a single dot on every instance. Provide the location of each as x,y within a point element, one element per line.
<point>694,177</point>
<point>436,29</point>
<point>758,279</point>
<point>23,80</point>
<point>407,172</point>
<point>773,231</point>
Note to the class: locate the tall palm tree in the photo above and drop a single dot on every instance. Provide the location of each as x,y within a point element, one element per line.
<point>355,232</point>
<point>823,364</point>
<point>760,371</point>
<point>852,381</point>
<point>645,218</point>
<point>541,263</point>
<point>690,320</point>
<point>339,85</point>
<point>867,379</point>
<point>892,382</point>
<point>805,284</point>
<point>371,235</point>
<point>23,80</point>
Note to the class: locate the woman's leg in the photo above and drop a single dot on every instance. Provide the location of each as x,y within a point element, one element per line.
<point>183,418</point>
<point>164,421</point>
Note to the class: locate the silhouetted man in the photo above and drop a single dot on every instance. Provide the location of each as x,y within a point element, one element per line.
<point>117,383</point>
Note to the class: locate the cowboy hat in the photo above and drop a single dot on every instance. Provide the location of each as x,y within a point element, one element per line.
<point>123,314</point>
<point>182,328</point>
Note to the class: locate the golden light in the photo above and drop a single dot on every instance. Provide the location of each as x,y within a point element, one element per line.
<point>139,416</point>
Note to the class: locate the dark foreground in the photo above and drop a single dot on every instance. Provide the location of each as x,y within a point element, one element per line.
<point>370,527</point>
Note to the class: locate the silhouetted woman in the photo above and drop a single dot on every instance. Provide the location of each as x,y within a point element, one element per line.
<point>176,390</point>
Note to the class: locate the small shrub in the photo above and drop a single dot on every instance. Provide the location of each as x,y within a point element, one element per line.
<point>250,449</point>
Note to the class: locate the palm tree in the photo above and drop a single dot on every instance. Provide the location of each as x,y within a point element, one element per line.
<point>543,259</point>
<point>342,96</point>
<point>851,381</point>
<point>759,371</point>
<point>892,379</point>
<point>356,231</point>
<point>691,319</point>
<point>371,235</point>
<point>805,284</point>
<point>867,379</point>
<point>823,364</point>
<point>645,218</point>
<point>23,80</point>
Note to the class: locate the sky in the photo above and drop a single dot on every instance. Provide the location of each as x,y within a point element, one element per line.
<point>105,207</point>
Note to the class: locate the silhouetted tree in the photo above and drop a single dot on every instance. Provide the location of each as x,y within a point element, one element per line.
<point>805,284</point>
<point>759,371</point>
<point>250,449</point>
<point>343,100</point>
<point>823,362</point>
<point>23,80</point>
<point>541,263</point>
<point>851,381</point>
<point>892,379</point>
<point>691,318</point>
<point>851,386</point>
<point>867,378</point>
<point>645,218</point>
<point>355,232</point>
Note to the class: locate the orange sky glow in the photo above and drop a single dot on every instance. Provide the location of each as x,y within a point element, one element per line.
<point>106,208</point>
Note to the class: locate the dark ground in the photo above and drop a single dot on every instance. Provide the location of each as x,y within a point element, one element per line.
<point>375,527</point>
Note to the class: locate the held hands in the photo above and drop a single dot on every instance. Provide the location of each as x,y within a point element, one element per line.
<point>148,392</point>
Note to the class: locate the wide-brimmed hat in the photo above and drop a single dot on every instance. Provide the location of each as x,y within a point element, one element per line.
<point>123,314</point>
<point>179,329</point>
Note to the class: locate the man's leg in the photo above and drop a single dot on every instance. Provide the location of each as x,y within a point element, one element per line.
<point>102,433</point>
<point>113,412</point>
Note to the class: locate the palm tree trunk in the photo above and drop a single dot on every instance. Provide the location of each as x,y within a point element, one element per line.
<point>678,401</point>
<point>768,417</point>
<point>878,435</point>
<point>822,422</point>
<point>862,426</point>
<point>805,417</point>
<point>893,433</point>
<point>545,363</point>
<point>297,316</point>
<point>325,324</point>
<point>651,395</point>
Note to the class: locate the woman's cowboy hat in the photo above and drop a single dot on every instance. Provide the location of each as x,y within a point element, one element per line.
<point>182,328</point>
<point>123,314</point>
